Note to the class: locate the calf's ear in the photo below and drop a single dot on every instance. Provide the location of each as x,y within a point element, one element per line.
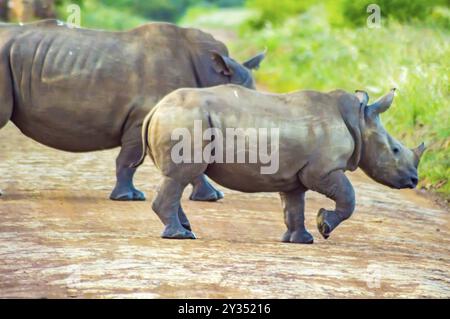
<point>383,104</point>
<point>255,62</point>
<point>221,63</point>
<point>363,97</point>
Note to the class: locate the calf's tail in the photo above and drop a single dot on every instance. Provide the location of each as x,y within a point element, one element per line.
<point>145,147</point>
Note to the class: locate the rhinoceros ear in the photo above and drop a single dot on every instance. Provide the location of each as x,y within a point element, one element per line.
<point>255,62</point>
<point>221,63</point>
<point>383,104</point>
<point>363,97</point>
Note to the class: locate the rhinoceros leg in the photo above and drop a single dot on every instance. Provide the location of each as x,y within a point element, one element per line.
<point>6,93</point>
<point>168,208</point>
<point>294,217</point>
<point>337,187</point>
<point>124,189</point>
<point>204,191</point>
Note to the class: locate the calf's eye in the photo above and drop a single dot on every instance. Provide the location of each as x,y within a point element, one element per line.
<point>395,150</point>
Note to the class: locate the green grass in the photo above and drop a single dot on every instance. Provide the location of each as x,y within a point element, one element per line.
<point>212,18</point>
<point>310,52</point>
<point>99,16</point>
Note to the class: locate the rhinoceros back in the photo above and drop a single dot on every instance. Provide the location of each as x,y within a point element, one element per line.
<point>79,90</point>
<point>72,88</point>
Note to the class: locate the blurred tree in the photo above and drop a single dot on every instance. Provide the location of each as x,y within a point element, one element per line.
<point>166,10</point>
<point>3,10</point>
<point>44,9</point>
<point>125,14</point>
<point>26,10</point>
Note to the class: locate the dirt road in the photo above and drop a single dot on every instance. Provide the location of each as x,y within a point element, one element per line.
<point>61,237</point>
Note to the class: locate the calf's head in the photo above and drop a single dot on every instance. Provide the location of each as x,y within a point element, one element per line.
<point>226,70</point>
<point>384,158</point>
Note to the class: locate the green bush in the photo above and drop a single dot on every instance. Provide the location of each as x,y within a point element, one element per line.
<point>306,52</point>
<point>275,11</point>
<point>351,12</point>
<point>166,10</point>
<point>355,11</point>
<point>440,17</point>
<point>156,10</point>
<point>96,15</point>
<point>211,18</point>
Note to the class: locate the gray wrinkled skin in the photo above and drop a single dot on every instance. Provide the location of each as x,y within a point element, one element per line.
<point>321,136</point>
<point>82,90</point>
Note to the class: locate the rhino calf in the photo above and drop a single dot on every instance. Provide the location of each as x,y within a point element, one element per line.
<point>321,135</point>
<point>83,90</point>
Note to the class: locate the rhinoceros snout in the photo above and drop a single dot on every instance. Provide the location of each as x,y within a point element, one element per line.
<point>414,181</point>
<point>409,181</point>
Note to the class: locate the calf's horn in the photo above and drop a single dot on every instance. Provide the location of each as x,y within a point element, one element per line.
<point>418,151</point>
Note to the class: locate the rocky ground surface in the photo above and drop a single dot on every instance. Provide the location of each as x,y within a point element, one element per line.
<point>60,236</point>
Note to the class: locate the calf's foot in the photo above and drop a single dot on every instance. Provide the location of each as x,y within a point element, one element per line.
<point>177,232</point>
<point>327,221</point>
<point>127,194</point>
<point>298,237</point>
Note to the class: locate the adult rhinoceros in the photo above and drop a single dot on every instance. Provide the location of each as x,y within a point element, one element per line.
<point>320,136</point>
<point>82,90</point>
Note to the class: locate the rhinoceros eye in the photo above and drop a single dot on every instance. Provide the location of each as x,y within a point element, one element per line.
<point>396,150</point>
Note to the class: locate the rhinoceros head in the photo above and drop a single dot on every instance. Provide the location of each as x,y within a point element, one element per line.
<point>229,71</point>
<point>384,158</point>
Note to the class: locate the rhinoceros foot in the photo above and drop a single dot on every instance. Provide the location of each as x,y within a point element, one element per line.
<point>205,193</point>
<point>171,232</point>
<point>298,237</point>
<point>127,195</point>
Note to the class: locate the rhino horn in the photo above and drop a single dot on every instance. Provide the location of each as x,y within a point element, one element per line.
<point>383,104</point>
<point>362,96</point>
<point>418,151</point>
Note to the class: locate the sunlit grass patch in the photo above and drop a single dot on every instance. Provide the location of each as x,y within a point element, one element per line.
<point>225,18</point>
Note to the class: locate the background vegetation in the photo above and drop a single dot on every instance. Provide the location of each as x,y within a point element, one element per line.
<point>329,46</point>
<point>325,45</point>
<point>123,14</point>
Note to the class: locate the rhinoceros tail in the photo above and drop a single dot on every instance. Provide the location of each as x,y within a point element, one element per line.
<point>145,146</point>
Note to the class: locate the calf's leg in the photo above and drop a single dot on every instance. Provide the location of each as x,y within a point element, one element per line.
<point>168,208</point>
<point>337,187</point>
<point>294,217</point>
<point>183,219</point>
